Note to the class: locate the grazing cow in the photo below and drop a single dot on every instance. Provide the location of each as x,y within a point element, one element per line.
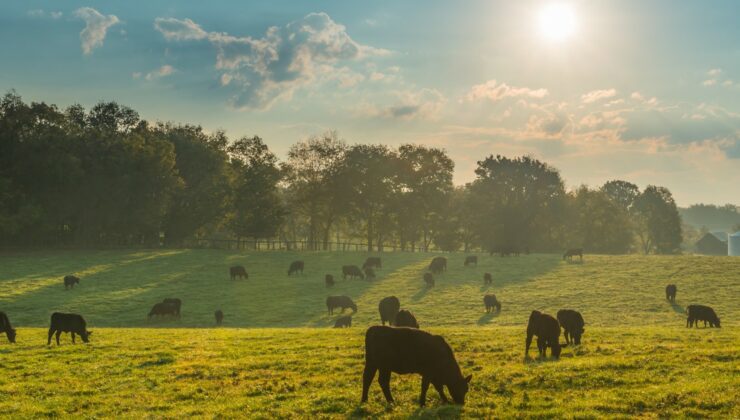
<point>162,309</point>
<point>572,323</point>
<point>343,302</point>
<point>487,279</point>
<point>409,350</point>
<point>569,254</point>
<point>6,328</point>
<point>296,267</point>
<point>70,281</point>
<point>329,280</point>
<point>438,265</point>
<point>670,293</point>
<point>698,313</point>
<point>471,259</point>
<point>429,279</point>
<point>388,308</point>
<point>491,302</point>
<point>238,271</point>
<point>369,273</point>
<point>404,318</point>
<point>547,330</point>
<point>372,262</point>
<point>219,317</point>
<point>343,322</point>
<point>71,323</point>
<point>177,303</point>
<point>352,271</point>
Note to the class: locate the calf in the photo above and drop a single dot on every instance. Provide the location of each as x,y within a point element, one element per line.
<point>470,260</point>
<point>572,323</point>
<point>238,271</point>
<point>177,303</point>
<point>343,302</point>
<point>219,317</point>
<point>388,308</point>
<point>490,302</point>
<point>698,313</point>
<point>409,350</point>
<point>438,265</point>
<point>670,293</point>
<point>71,323</point>
<point>162,309</point>
<point>429,279</point>
<point>352,271</point>
<point>547,330</point>
<point>329,280</point>
<point>404,318</point>
<point>369,273</point>
<point>6,328</point>
<point>569,254</point>
<point>70,281</point>
<point>296,267</point>
<point>487,279</point>
<point>343,322</point>
<point>372,262</point>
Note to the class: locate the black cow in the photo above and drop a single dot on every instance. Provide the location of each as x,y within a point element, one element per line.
<point>343,302</point>
<point>71,323</point>
<point>670,293</point>
<point>569,254</point>
<point>238,271</point>
<point>162,309</point>
<point>177,303</point>
<point>329,280</point>
<point>438,265</point>
<point>372,262</point>
<point>6,328</point>
<point>471,259</point>
<point>409,350</point>
<point>343,322</point>
<point>369,273</point>
<point>404,318</point>
<point>388,308</point>
<point>70,281</point>
<point>572,323</point>
<point>487,279</point>
<point>547,330</point>
<point>296,267</point>
<point>219,317</point>
<point>491,302</point>
<point>352,271</point>
<point>429,279</point>
<point>698,313</point>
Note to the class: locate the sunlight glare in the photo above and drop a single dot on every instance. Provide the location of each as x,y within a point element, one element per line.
<point>556,22</point>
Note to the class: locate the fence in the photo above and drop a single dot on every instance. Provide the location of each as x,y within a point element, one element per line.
<point>277,245</point>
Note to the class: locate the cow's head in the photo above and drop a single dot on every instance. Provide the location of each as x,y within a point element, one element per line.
<point>11,335</point>
<point>459,388</point>
<point>717,322</point>
<point>556,350</point>
<point>86,336</point>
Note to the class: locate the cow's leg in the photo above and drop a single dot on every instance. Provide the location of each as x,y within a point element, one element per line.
<point>424,388</point>
<point>59,333</point>
<point>528,343</point>
<point>542,346</point>
<point>73,338</point>
<point>51,332</point>
<point>441,391</point>
<point>384,379</point>
<point>367,378</point>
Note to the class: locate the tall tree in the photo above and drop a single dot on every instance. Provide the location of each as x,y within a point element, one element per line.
<point>598,223</point>
<point>658,221</point>
<point>622,192</point>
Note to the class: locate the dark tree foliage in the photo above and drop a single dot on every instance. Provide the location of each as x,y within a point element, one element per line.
<point>622,192</point>
<point>598,223</point>
<point>658,221</point>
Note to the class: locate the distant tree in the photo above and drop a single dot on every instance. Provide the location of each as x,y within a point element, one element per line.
<point>622,192</point>
<point>598,223</point>
<point>713,217</point>
<point>658,221</point>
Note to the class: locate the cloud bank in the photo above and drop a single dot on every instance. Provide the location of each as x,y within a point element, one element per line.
<point>96,27</point>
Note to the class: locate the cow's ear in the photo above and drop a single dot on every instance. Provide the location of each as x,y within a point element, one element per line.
<point>468,378</point>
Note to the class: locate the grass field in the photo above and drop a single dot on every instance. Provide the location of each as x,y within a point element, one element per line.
<point>638,359</point>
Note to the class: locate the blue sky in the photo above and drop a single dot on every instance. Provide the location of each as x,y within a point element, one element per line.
<point>643,91</point>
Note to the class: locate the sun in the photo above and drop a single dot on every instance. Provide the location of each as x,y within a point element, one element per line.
<point>556,22</point>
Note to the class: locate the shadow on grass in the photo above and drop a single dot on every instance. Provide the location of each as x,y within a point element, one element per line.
<point>444,411</point>
<point>421,293</point>
<point>678,308</point>
<point>485,287</point>
<point>487,318</point>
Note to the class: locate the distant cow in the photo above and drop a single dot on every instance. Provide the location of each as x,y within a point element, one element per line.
<point>343,321</point>
<point>438,265</point>
<point>670,293</point>
<point>70,281</point>
<point>388,308</point>
<point>490,302</point>
<point>547,330</point>
<point>471,259</point>
<point>404,318</point>
<point>569,254</point>
<point>329,280</point>
<point>6,328</point>
<point>162,309</point>
<point>219,317</point>
<point>369,273</point>
<point>429,279</point>
<point>296,267</point>
<point>177,303</point>
<point>71,323</point>
<point>487,279</point>
<point>408,350</point>
<point>238,271</point>
<point>372,262</point>
<point>343,302</point>
<point>698,313</point>
<point>572,323</point>
<point>352,271</point>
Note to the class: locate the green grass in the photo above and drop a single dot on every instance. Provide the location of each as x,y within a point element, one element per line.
<point>638,359</point>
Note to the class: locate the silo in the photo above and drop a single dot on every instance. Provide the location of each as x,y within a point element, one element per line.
<point>733,244</point>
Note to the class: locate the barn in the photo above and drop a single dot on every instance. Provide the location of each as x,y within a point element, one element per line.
<point>713,243</point>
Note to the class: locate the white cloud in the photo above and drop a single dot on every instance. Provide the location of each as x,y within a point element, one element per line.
<point>179,30</point>
<point>714,72</point>
<point>40,13</point>
<point>597,95</point>
<point>495,91</point>
<point>709,82</point>
<point>410,104</point>
<point>96,27</point>
<point>637,96</point>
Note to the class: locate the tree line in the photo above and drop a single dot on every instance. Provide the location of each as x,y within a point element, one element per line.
<point>106,177</point>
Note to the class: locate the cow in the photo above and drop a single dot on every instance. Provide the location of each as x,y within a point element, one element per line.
<point>238,271</point>
<point>372,262</point>
<point>429,279</point>
<point>352,271</point>
<point>471,259</point>
<point>71,323</point>
<point>698,313</point>
<point>369,273</point>
<point>547,330</point>
<point>572,323</point>
<point>343,322</point>
<point>6,328</point>
<point>177,303</point>
<point>329,280</point>
<point>487,279</point>
<point>70,281</point>
<point>162,309</point>
<point>569,254</point>
<point>438,265</point>
<point>219,314</point>
<point>404,318</point>
<point>490,302</point>
<point>388,308</point>
<point>409,350</point>
<point>343,302</point>
<point>670,293</point>
<point>296,267</point>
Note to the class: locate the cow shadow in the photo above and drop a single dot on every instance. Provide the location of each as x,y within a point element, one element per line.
<point>488,317</point>
<point>443,411</point>
<point>421,293</point>
<point>486,287</point>
<point>677,308</point>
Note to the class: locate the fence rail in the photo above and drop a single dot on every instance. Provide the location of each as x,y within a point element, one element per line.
<point>278,245</point>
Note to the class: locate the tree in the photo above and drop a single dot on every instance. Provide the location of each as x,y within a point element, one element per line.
<point>622,192</point>
<point>598,223</point>
<point>658,221</point>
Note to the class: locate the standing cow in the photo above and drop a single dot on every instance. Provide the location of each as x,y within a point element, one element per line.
<point>71,323</point>
<point>343,322</point>
<point>238,271</point>
<point>6,328</point>
<point>438,265</point>
<point>487,279</point>
<point>698,313</point>
<point>162,309</point>
<point>471,260</point>
<point>490,302</point>
<point>372,262</point>
<point>670,293</point>
<point>572,323</point>
<point>70,281</point>
<point>573,252</point>
<point>547,330</point>
<point>388,308</point>
<point>296,267</point>
<point>352,271</point>
<point>343,302</point>
<point>176,303</point>
<point>329,280</point>
<point>369,273</point>
<point>219,314</point>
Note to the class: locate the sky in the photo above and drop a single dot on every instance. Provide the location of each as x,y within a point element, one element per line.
<point>648,92</point>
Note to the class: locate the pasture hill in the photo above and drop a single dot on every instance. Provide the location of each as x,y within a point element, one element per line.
<point>276,356</point>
